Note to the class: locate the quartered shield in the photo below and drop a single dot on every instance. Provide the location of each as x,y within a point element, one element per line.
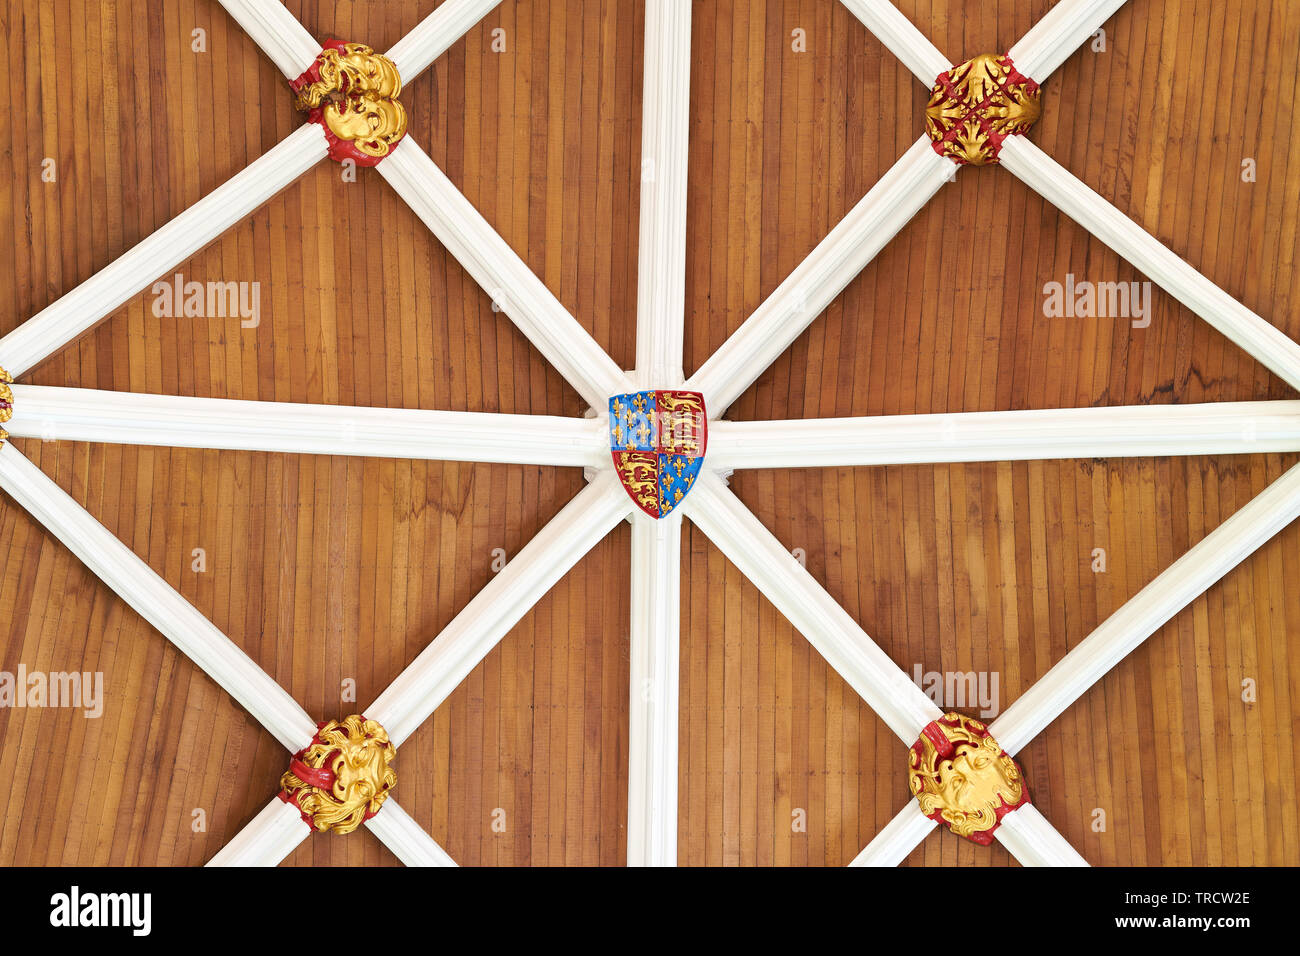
<point>658,440</point>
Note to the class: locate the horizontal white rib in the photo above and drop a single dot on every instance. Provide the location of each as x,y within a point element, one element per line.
<point>266,839</point>
<point>1052,40</point>
<point>816,281</point>
<point>85,306</point>
<point>79,414</point>
<point>435,34</point>
<point>1033,841</point>
<point>1059,186</point>
<point>1210,559</point>
<point>498,269</point>
<point>901,37</point>
<point>654,693</point>
<point>472,634</point>
<point>279,35</point>
<point>899,837</point>
<point>794,592</point>
<point>1221,428</point>
<point>665,129</point>
<point>155,600</point>
<point>406,838</point>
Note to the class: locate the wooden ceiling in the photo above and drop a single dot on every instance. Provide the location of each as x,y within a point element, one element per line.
<point>326,569</point>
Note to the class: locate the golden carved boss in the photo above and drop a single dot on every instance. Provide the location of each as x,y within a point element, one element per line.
<point>975,106</point>
<point>6,401</point>
<point>963,778</point>
<point>352,92</point>
<point>342,778</point>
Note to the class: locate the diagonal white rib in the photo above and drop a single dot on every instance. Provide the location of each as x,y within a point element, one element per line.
<point>89,303</point>
<point>1265,342</point>
<point>880,682</point>
<point>1137,619</point>
<point>901,38</point>
<point>156,601</point>
<point>476,630</point>
<point>435,34</point>
<point>815,282</point>
<point>756,552</point>
<point>496,267</point>
<point>278,34</point>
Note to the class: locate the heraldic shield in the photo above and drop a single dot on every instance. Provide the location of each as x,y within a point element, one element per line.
<point>657,439</point>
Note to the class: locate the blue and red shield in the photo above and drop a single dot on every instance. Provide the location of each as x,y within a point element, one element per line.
<point>657,439</point>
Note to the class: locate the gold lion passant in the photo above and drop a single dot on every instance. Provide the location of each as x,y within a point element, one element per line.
<point>343,776</point>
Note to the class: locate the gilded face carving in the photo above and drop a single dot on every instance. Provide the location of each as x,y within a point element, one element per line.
<point>372,125</point>
<point>355,91</point>
<point>960,776</point>
<point>343,777</point>
<point>365,71</point>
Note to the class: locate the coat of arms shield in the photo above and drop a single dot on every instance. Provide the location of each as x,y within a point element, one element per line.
<point>658,440</point>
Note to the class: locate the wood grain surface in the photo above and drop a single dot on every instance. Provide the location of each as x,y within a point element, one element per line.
<point>328,569</point>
